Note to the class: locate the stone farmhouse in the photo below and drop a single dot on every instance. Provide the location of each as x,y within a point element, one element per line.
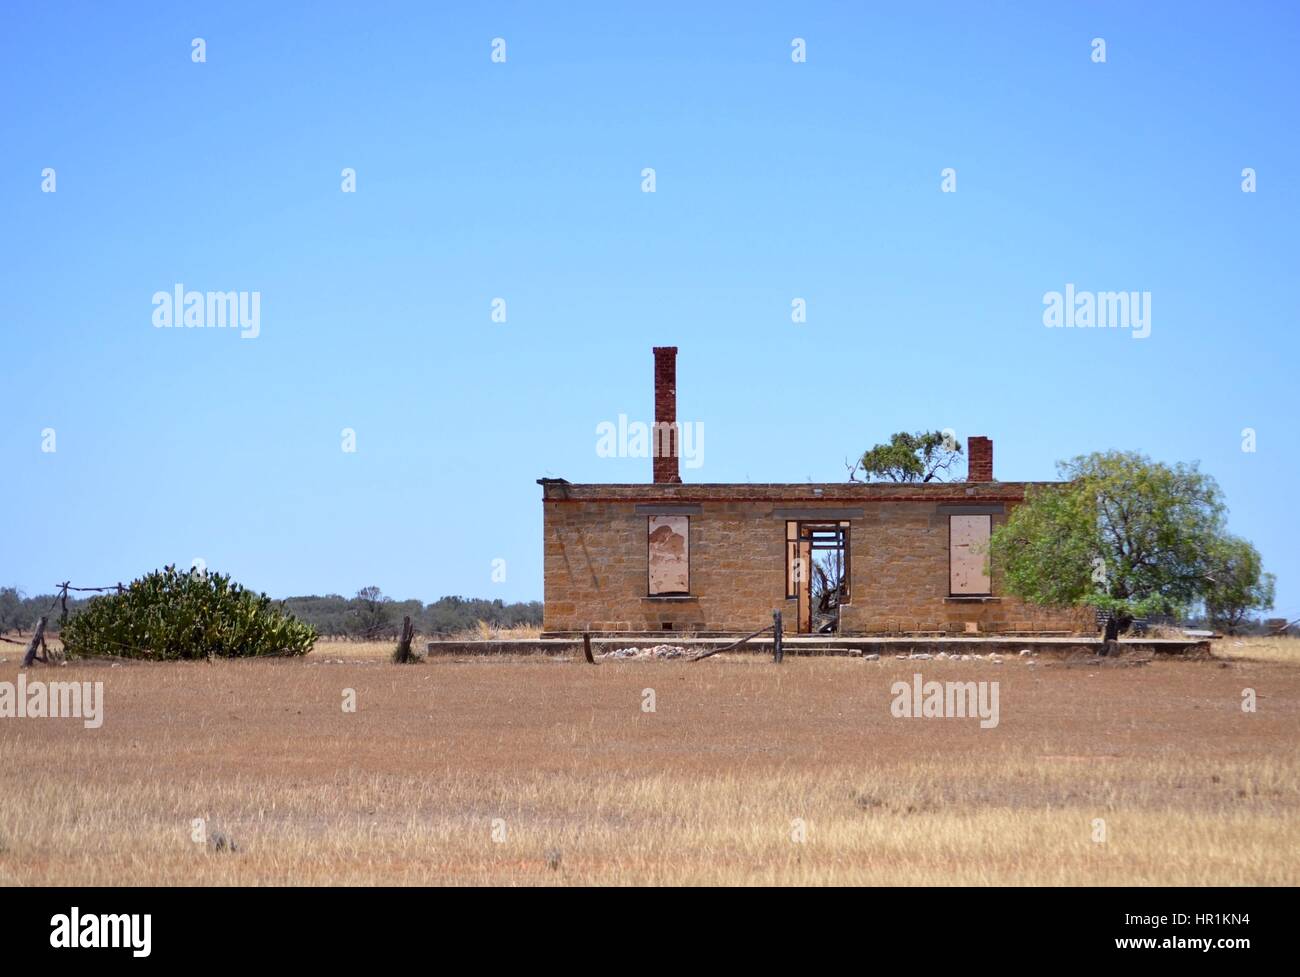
<point>850,558</point>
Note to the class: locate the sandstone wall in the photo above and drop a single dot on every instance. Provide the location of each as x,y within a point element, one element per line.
<point>596,558</point>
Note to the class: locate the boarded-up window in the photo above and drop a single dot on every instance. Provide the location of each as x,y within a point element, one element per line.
<point>968,543</point>
<point>669,555</point>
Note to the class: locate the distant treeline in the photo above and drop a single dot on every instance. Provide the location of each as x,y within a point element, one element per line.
<point>20,613</point>
<point>371,614</point>
<point>368,614</point>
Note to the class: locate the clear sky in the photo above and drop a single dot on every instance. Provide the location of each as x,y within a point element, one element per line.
<point>522,180</point>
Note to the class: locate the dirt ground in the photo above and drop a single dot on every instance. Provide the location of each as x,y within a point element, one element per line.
<point>536,771</point>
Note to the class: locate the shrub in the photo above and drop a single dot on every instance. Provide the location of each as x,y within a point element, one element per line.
<point>169,615</point>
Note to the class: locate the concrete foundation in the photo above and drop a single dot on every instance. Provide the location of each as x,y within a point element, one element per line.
<point>828,645</point>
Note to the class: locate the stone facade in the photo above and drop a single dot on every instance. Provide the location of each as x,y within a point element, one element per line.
<point>596,557</point>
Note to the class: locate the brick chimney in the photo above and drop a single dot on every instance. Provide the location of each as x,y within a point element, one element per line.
<point>663,443</point>
<point>979,459</point>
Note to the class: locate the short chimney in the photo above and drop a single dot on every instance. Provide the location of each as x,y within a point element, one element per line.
<point>664,442</point>
<point>979,459</point>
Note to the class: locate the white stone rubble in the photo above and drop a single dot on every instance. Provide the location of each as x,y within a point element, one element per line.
<point>657,652</point>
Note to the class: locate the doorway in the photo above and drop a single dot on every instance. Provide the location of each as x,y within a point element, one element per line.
<point>817,574</point>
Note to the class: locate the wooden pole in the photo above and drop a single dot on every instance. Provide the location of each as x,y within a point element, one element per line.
<point>778,653</point>
<point>586,648</point>
<point>734,644</point>
<point>38,636</point>
<point>403,654</point>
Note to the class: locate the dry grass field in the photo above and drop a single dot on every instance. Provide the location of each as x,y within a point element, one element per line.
<point>536,771</point>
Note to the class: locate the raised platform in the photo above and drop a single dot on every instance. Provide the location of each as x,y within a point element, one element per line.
<point>827,645</point>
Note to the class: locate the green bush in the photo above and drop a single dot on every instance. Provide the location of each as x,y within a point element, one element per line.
<point>169,615</point>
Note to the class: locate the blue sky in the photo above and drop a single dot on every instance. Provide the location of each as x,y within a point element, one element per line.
<point>522,180</point>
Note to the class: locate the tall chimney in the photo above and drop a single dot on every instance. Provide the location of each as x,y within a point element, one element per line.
<point>664,442</point>
<point>979,459</point>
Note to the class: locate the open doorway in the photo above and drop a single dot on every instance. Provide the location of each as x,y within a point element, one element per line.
<point>817,574</point>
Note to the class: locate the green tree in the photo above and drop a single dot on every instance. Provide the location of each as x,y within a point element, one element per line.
<point>373,611</point>
<point>921,457</point>
<point>11,609</point>
<point>1237,583</point>
<point>1126,535</point>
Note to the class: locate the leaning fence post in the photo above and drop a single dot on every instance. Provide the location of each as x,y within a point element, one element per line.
<point>586,647</point>
<point>778,653</point>
<point>38,636</point>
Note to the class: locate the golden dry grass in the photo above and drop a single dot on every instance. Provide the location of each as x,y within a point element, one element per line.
<point>708,789</point>
<point>348,648</point>
<point>1281,649</point>
<point>484,631</point>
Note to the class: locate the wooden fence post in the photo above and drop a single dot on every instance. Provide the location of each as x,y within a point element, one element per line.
<point>38,636</point>
<point>402,654</point>
<point>778,653</point>
<point>586,647</point>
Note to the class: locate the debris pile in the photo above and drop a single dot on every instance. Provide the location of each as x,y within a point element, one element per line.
<point>995,658</point>
<point>657,652</point>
